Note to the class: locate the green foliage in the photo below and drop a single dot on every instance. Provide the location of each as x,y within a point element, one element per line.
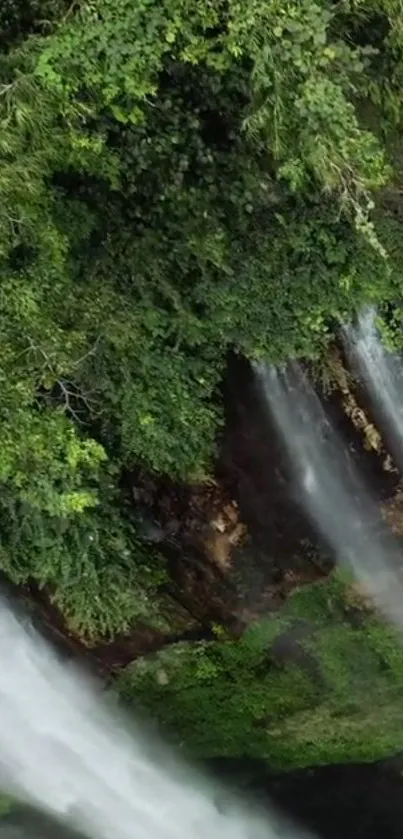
<point>302,77</point>
<point>6,805</point>
<point>94,567</point>
<point>46,464</point>
<point>115,582</point>
<point>97,49</point>
<point>19,17</point>
<point>176,179</point>
<point>333,695</point>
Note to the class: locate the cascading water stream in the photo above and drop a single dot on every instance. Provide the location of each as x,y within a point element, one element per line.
<point>63,750</point>
<point>382,373</point>
<point>329,488</point>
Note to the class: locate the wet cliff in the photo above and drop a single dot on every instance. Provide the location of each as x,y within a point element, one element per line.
<point>233,547</point>
<point>262,649</point>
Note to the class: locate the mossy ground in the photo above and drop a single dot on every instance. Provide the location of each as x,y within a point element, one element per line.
<point>321,682</point>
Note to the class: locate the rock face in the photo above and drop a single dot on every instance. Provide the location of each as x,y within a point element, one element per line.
<point>261,650</point>
<point>299,670</point>
<point>393,512</point>
<point>236,546</point>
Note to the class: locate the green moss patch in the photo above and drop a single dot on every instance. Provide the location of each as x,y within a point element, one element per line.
<point>321,682</point>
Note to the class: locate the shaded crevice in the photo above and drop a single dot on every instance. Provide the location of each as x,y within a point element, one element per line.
<point>355,801</point>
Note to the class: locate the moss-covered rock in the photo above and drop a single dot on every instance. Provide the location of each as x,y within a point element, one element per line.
<point>320,682</point>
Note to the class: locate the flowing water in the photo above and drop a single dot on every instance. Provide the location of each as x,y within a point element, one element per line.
<point>382,374</point>
<point>64,750</point>
<point>329,488</point>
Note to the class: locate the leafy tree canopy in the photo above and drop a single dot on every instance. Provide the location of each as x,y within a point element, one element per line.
<point>176,179</point>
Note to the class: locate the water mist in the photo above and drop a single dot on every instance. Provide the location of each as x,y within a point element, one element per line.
<point>63,750</point>
<point>329,488</point>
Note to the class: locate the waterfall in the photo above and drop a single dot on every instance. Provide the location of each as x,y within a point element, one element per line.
<point>382,375</point>
<point>64,750</point>
<point>329,488</point>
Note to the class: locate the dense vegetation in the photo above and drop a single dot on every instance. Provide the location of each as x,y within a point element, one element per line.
<point>319,683</point>
<point>176,179</point>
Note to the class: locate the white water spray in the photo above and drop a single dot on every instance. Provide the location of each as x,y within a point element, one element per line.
<point>330,489</point>
<point>382,374</point>
<point>63,750</point>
